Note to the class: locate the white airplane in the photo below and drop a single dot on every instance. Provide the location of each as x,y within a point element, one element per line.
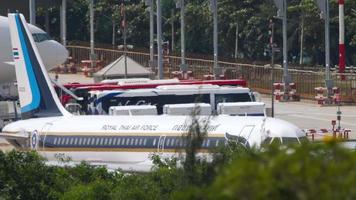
<point>52,52</point>
<point>124,142</point>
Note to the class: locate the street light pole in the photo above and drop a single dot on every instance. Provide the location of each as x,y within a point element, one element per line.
<point>181,5</point>
<point>323,6</point>
<point>125,36</point>
<point>328,80</point>
<point>236,41</point>
<point>159,40</point>
<point>32,6</point>
<point>342,52</point>
<point>214,9</point>
<point>172,26</point>
<point>64,22</point>
<point>152,51</point>
<point>286,77</point>
<point>272,67</point>
<point>150,4</point>
<point>182,32</point>
<point>215,38</point>
<point>113,39</point>
<point>92,55</point>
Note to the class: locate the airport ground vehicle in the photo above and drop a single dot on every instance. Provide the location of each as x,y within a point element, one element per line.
<point>101,101</point>
<point>84,91</point>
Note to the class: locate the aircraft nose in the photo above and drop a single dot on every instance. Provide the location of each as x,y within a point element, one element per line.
<point>52,53</point>
<point>282,128</point>
<point>61,54</point>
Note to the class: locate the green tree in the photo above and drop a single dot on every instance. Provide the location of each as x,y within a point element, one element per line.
<point>309,171</point>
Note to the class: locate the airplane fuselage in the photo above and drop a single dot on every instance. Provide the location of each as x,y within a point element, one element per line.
<point>128,141</point>
<point>52,52</point>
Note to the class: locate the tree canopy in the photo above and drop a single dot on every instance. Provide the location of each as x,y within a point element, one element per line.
<point>252,17</point>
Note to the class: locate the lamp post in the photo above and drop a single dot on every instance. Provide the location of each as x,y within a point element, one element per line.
<point>341,38</point>
<point>32,6</point>
<point>323,5</point>
<point>236,41</point>
<point>123,25</point>
<point>150,3</point>
<point>282,14</point>
<point>92,54</point>
<point>272,64</point>
<point>159,40</point>
<point>214,10</point>
<point>64,22</point>
<point>180,4</point>
<point>115,8</point>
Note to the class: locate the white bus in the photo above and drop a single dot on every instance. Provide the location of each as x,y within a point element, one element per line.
<point>101,101</point>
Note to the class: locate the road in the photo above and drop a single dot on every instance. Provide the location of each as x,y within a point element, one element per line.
<point>308,114</point>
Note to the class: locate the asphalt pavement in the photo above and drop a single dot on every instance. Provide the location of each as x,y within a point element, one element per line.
<point>308,114</point>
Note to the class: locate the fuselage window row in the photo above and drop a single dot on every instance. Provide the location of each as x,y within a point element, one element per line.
<point>170,142</point>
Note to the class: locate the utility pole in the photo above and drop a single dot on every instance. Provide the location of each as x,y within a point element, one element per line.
<point>114,26</point>
<point>32,6</point>
<point>150,3</point>
<point>327,41</point>
<point>123,24</point>
<point>301,39</point>
<point>64,22</point>
<point>113,32</point>
<point>172,24</point>
<point>282,14</point>
<point>181,5</point>
<point>237,41</point>
<point>341,38</point>
<point>92,54</point>
<point>159,40</point>
<point>323,5</point>
<point>286,77</point>
<point>272,65</point>
<point>214,9</point>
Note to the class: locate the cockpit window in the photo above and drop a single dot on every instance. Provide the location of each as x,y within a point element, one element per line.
<point>284,140</point>
<point>40,37</point>
<point>288,140</point>
<point>272,140</point>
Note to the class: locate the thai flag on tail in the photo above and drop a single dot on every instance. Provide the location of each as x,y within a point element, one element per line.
<point>15,53</point>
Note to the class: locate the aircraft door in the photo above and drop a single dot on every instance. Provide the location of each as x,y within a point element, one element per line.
<point>160,146</point>
<point>243,137</point>
<point>45,130</point>
<point>34,140</point>
<point>246,131</point>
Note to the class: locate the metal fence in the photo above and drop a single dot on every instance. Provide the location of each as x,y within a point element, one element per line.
<point>258,77</point>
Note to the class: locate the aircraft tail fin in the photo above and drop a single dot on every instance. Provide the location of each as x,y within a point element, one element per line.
<point>37,95</point>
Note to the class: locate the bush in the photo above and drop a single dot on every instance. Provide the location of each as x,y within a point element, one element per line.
<point>309,171</point>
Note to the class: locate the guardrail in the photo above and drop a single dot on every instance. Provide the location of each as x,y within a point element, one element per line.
<point>258,77</point>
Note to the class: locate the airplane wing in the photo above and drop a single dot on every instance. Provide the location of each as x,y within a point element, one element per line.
<point>14,136</point>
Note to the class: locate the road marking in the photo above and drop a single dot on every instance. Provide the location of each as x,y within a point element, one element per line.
<point>319,119</point>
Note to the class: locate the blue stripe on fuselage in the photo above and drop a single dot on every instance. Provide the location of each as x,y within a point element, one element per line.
<point>31,76</point>
<point>106,97</point>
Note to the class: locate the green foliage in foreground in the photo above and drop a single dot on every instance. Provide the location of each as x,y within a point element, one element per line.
<point>307,171</point>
